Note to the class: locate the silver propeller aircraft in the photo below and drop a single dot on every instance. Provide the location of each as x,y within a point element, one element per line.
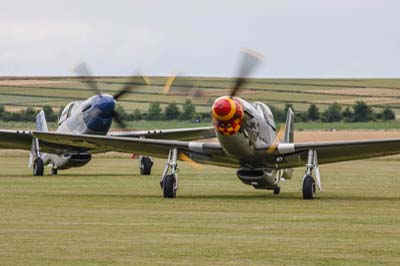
<point>248,140</point>
<point>93,116</point>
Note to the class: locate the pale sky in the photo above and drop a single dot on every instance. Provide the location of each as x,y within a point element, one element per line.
<point>303,39</point>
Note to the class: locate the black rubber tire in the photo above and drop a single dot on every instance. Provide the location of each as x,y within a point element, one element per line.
<point>54,171</point>
<point>277,190</point>
<point>168,187</point>
<point>309,187</point>
<point>145,165</point>
<point>38,167</point>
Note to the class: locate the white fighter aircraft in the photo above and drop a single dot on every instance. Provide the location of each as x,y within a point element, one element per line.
<point>93,116</point>
<point>248,140</point>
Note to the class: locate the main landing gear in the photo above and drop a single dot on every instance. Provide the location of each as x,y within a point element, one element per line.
<point>169,181</point>
<point>309,183</point>
<point>145,165</point>
<point>38,167</point>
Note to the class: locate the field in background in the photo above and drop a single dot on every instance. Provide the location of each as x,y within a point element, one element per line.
<point>57,92</point>
<point>107,214</point>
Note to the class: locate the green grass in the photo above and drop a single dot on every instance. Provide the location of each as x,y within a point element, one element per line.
<point>107,214</point>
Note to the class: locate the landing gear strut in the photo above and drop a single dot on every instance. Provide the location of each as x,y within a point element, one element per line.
<point>309,183</point>
<point>169,182</point>
<point>145,165</point>
<point>38,165</point>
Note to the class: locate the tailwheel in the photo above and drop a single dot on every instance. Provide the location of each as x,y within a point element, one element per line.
<point>309,187</point>
<point>54,171</point>
<point>38,167</point>
<point>277,190</point>
<point>146,163</point>
<point>168,186</point>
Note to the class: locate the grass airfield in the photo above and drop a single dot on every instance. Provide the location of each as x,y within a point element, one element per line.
<point>107,214</point>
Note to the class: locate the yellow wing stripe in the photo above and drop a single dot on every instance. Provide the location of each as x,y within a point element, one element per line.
<point>278,137</point>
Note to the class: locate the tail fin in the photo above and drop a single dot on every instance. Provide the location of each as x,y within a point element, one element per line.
<point>41,125</point>
<point>289,127</point>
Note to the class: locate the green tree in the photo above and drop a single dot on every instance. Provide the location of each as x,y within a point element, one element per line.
<point>189,110</point>
<point>313,113</point>
<point>2,111</point>
<point>154,112</point>
<point>388,114</point>
<point>123,115</point>
<point>279,114</point>
<point>347,114</point>
<point>362,112</point>
<point>137,114</point>
<point>333,113</point>
<point>50,115</point>
<point>171,112</point>
<point>29,114</point>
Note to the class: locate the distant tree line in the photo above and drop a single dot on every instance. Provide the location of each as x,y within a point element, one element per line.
<point>359,112</point>
<point>154,112</point>
<point>28,114</point>
<point>172,111</point>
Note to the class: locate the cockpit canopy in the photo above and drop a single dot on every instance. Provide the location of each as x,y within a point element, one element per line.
<point>265,112</point>
<point>68,111</point>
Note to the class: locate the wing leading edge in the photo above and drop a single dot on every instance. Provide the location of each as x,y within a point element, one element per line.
<point>172,134</point>
<point>295,154</point>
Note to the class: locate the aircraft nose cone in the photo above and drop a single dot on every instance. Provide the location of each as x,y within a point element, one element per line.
<point>107,108</point>
<point>223,108</point>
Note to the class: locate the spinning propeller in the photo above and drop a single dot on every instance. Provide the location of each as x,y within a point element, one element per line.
<point>249,61</point>
<point>83,71</point>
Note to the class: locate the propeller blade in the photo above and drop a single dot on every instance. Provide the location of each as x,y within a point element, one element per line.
<point>82,70</point>
<point>192,163</point>
<point>169,83</point>
<point>118,119</point>
<point>129,86</point>
<point>249,61</point>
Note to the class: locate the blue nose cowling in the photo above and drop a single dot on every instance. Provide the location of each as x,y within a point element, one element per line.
<point>106,108</point>
<point>99,118</point>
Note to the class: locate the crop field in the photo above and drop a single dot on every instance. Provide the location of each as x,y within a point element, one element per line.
<point>57,92</point>
<point>107,214</point>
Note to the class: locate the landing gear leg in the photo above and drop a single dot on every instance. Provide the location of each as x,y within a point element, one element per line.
<point>38,164</point>
<point>309,183</point>
<point>169,182</point>
<point>145,165</point>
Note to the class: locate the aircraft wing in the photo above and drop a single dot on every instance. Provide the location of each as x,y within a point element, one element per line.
<point>295,154</point>
<point>176,134</point>
<point>207,152</point>
<point>22,140</point>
